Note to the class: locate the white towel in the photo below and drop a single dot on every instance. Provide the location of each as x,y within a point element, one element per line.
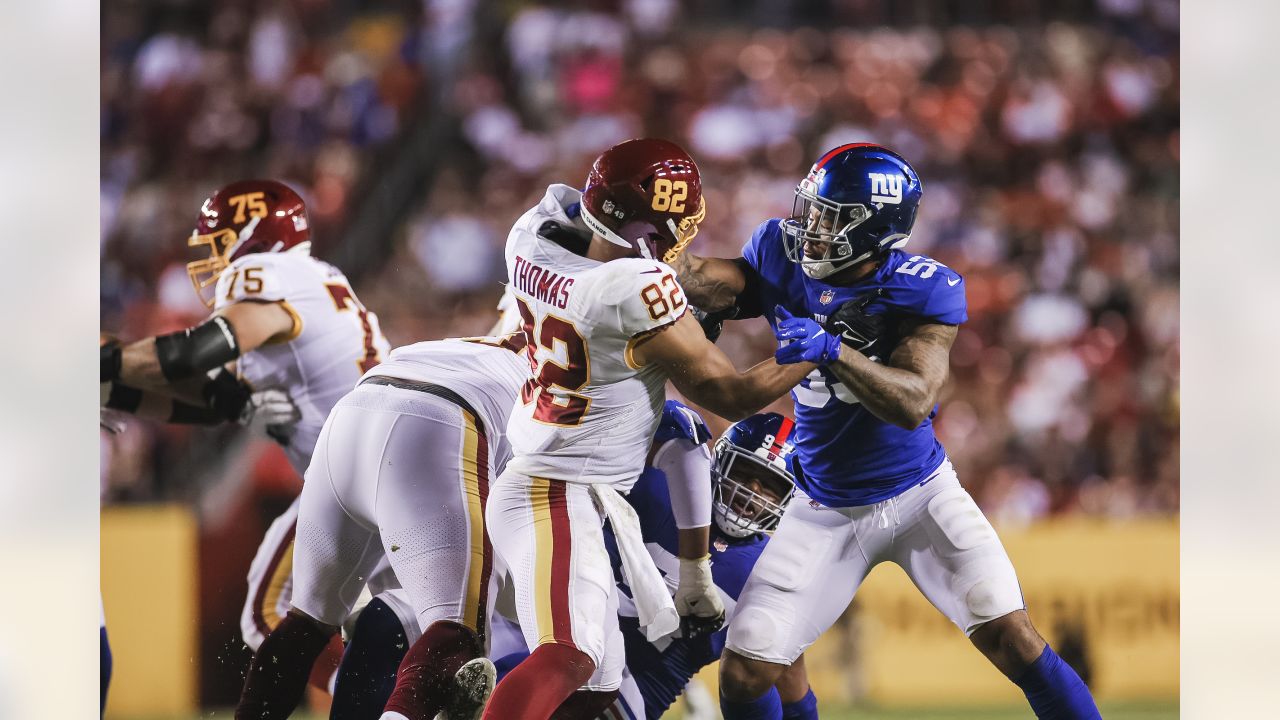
<point>654,606</point>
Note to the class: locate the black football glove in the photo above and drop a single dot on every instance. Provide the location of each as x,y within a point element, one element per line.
<point>858,329</point>
<point>713,323</point>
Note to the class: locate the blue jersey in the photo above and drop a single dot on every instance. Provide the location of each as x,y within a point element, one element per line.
<point>846,455</point>
<point>662,669</point>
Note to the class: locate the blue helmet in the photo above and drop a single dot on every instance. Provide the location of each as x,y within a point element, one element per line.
<point>753,474</point>
<point>860,199</point>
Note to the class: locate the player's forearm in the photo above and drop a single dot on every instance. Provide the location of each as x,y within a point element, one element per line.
<point>140,365</point>
<point>158,406</point>
<point>165,359</point>
<point>739,396</point>
<point>694,543</point>
<point>710,284</point>
<point>892,394</point>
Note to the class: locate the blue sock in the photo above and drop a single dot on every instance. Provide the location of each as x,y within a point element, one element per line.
<point>507,663</point>
<point>806,708</point>
<point>1055,691</point>
<point>104,660</point>
<point>765,707</point>
<point>367,674</point>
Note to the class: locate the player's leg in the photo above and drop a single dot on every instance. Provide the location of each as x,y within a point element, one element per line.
<point>432,489</point>
<point>549,536</point>
<point>797,698</point>
<point>270,579</point>
<point>603,689</point>
<point>104,659</point>
<point>804,580</point>
<point>367,675</point>
<point>950,551</point>
<point>334,554</point>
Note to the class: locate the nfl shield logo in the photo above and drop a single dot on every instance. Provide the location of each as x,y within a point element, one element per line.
<point>827,296</point>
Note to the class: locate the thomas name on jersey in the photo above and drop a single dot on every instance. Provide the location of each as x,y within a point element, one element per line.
<point>545,285</point>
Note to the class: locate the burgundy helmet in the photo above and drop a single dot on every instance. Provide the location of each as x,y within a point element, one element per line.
<point>250,216</point>
<point>645,194</point>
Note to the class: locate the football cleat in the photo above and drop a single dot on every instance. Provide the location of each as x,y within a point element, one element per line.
<point>858,201</point>
<point>472,686</point>
<point>753,475</point>
<point>646,195</point>
<point>250,216</point>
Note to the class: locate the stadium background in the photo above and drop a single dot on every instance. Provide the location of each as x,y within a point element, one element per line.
<point>1046,134</point>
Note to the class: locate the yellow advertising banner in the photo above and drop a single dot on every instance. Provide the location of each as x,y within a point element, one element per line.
<point>149,590</point>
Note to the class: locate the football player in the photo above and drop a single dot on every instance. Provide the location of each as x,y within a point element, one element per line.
<point>607,326</point>
<point>874,483</point>
<point>753,483</point>
<point>401,471</point>
<point>287,338</point>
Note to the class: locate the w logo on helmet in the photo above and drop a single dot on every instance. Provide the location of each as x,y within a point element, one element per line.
<point>886,188</point>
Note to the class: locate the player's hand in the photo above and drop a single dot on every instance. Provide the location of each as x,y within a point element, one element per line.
<point>857,328</point>
<point>697,599</point>
<point>712,323</point>
<point>273,411</point>
<point>803,339</point>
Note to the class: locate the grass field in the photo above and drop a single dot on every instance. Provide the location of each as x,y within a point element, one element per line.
<point>1113,711</point>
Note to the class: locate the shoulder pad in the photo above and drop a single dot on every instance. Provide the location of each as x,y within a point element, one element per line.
<point>679,422</point>
<point>259,276</point>
<point>643,293</point>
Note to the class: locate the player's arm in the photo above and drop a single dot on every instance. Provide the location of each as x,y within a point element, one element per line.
<point>687,467</point>
<point>904,390</point>
<point>712,284</point>
<point>155,405</point>
<point>158,361</point>
<point>703,373</point>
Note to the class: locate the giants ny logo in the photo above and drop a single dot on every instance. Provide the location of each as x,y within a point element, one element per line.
<point>886,188</point>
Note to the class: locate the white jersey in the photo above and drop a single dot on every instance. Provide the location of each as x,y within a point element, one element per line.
<point>486,372</point>
<point>590,412</point>
<point>334,338</point>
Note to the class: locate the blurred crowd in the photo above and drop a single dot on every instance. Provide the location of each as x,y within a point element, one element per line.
<point>1046,138</point>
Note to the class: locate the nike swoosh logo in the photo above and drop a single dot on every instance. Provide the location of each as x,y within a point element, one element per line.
<point>650,272</point>
<point>953,283</point>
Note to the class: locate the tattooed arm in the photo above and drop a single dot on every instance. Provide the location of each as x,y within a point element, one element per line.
<point>711,284</point>
<point>904,390</point>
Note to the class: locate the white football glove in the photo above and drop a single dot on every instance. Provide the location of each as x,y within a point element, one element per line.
<point>697,599</point>
<point>271,411</point>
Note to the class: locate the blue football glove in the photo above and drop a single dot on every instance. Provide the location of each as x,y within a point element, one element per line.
<point>803,339</point>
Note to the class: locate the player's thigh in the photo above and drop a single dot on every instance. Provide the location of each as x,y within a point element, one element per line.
<point>433,483</point>
<point>953,555</point>
<point>270,579</point>
<point>337,547</point>
<point>549,535</point>
<point>803,581</point>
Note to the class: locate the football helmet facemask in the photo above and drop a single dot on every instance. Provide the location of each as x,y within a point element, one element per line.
<point>857,202</point>
<point>753,475</point>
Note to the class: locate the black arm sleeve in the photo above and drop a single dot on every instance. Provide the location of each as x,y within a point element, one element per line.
<point>747,304</point>
<point>197,350</point>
